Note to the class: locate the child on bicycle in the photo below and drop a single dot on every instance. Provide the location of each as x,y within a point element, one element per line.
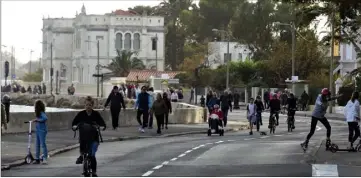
<point>41,131</point>
<point>88,134</point>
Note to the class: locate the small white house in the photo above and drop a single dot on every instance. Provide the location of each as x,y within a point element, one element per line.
<point>217,53</point>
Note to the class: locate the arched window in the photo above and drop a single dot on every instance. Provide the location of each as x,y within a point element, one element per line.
<point>127,41</point>
<point>136,41</point>
<point>119,41</point>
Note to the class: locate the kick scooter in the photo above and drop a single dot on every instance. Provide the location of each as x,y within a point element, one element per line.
<point>29,157</point>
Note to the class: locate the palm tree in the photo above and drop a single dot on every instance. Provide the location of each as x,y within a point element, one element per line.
<point>123,63</point>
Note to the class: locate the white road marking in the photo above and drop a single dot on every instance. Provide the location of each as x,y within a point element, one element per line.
<point>219,141</point>
<point>278,135</point>
<point>264,137</point>
<point>201,146</point>
<point>303,133</point>
<point>147,173</point>
<point>231,140</point>
<point>165,162</point>
<point>181,155</point>
<point>289,133</point>
<point>159,166</point>
<point>324,170</point>
<point>173,159</point>
<point>318,128</point>
<point>188,151</point>
<point>249,139</point>
<point>209,143</point>
<point>195,148</point>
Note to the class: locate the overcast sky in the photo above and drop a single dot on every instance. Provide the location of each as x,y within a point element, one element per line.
<point>21,21</point>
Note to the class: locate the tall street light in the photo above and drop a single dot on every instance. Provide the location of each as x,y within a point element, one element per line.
<point>293,31</point>
<point>228,56</point>
<point>98,65</point>
<point>31,52</point>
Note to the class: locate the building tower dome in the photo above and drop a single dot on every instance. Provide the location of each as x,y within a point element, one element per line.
<point>83,11</point>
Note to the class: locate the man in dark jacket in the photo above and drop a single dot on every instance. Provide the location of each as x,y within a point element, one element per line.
<point>143,106</point>
<point>6,101</point>
<point>116,100</point>
<point>260,108</point>
<point>275,107</point>
<point>224,101</point>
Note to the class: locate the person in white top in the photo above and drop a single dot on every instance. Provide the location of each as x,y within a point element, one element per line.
<point>352,114</point>
<point>174,97</point>
<point>251,114</point>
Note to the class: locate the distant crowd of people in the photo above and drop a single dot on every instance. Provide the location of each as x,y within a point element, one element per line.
<point>16,88</point>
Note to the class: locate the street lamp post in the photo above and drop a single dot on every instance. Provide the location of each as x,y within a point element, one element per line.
<point>31,52</point>
<point>293,32</point>
<point>228,55</point>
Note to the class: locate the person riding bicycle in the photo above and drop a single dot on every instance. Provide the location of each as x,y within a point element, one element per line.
<point>275,107</point>
<point>292,107</point>
<point>88,134</point>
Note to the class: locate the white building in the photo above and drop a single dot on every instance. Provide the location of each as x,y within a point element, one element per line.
<point>217,53</point>
<point>76,59</point>
<point>348,58</point>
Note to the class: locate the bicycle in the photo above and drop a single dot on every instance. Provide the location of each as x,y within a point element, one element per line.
<point>290,120</point>
<point>87,171</point>
<point>272,124</point>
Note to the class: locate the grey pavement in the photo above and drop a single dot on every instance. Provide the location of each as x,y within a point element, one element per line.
<point>235,154</point>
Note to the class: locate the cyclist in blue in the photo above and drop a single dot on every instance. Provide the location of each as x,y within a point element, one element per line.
<point>88,134</point>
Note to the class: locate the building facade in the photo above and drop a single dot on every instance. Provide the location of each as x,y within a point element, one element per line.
<point>72,43</point>
<point>217,53</point>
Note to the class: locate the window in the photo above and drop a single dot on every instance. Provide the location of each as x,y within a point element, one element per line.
<point>99,37</point>
<point>127,41</point>
<point>225,59</point>
<point>240,56</point>
<point>104,20</point>
<point>118,41</point>
<point>88,42</point>
<point>158,21</point>
<point>150,20</point>
<point>78,40</point>
<point>154,44</point>
<point>96,19</point>
<point>136,41</point>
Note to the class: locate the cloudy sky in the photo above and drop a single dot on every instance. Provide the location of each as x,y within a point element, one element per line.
<point>21,21</point>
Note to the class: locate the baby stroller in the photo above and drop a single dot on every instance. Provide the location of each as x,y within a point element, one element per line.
<point>216,124</point>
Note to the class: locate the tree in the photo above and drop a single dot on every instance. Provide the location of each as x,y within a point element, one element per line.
<point>34,77</point>
<point>123,63</point>
<point>141,9</point>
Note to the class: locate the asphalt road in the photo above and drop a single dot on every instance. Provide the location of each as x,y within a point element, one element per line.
<point>235,154</point>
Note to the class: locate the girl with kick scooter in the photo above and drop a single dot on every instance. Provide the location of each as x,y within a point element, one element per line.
<point>318,114</point>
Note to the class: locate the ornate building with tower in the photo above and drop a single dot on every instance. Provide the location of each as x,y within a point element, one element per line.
<point>70,44</point>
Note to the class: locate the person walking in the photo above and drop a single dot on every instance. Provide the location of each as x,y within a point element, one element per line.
<point>41,131</point>
<point>266,99</point>
<point>6,101</point>
<point>143,105</point>
<point>352,113</point>
<point>251,115</point>
<point>159,108</point>
<point>169,111</point>
<point>151,94</point>
<point>3,118</point>
<point>174,97</point>
<point>225,106</point>
<point>191,98</point>
<point>116,101</point>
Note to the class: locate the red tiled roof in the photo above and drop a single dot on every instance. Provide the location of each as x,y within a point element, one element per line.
<point>143,75</point>
<point>121,12</point>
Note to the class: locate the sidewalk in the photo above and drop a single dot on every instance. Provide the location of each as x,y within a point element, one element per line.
<point>14,146</point>
<point>340,158</point>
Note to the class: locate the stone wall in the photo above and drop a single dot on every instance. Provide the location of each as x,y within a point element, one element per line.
<point>62,120</point>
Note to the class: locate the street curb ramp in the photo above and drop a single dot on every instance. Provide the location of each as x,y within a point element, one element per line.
<point>113,139</point>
